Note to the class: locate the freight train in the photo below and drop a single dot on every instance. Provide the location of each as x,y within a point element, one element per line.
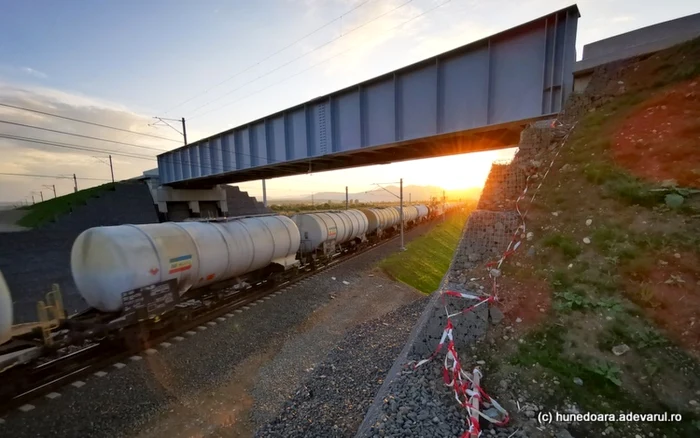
<point>129,274</point>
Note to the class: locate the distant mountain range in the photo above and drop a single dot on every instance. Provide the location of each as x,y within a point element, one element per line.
<point>414,193</point>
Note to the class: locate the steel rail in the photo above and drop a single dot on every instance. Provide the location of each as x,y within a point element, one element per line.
<point>68,369</point>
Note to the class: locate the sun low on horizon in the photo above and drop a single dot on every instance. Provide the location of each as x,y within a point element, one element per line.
<point>453,172</point>
<point>463,171</point>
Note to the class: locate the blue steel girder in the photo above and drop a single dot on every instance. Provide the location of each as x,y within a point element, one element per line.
<point>475,97</point>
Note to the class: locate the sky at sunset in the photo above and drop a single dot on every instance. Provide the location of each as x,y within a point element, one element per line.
<point>223,63</point>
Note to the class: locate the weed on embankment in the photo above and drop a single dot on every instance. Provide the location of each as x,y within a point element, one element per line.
<point>428,257</point>
<point>616,242</point>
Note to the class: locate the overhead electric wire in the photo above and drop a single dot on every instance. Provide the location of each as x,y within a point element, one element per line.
<point>72,146</point>
<point>121,154</point>
<point>299,57</point>
<point>315,65</point>
<point>24,125</point>
<point>87,122</point>
<point>106,151</point>
<point>52,176</point>
<point>250,67</point>
<point>88,149</point>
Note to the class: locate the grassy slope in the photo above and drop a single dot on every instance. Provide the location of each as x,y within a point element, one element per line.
<point>616,289</point>
<point>48,210</point>
<point>427,258</point>
<point>292,208</point>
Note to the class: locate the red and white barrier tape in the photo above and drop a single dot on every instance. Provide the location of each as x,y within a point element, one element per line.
<point>466,386</point>
<point>467,391</point>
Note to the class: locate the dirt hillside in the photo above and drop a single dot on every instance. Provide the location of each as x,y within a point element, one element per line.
<point>602,302</point>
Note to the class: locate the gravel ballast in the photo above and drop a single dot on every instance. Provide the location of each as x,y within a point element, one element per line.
<point>421,405</point>
<point>221,381</point>
<point>416,402</point>
<point>332,402</point>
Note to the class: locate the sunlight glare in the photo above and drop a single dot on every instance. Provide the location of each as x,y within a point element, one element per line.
<point>463,171</point>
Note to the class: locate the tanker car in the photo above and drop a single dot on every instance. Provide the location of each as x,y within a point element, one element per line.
<point>5,311</point>
<point>129,274</point>
<point>108,261</point>
<point>326,234</point>
<point>381,221</point>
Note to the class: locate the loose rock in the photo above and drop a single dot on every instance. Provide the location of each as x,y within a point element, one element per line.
<point>621,349</point>
<point>496,315</point>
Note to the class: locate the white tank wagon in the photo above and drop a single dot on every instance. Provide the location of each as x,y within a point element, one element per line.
<point>374,219</point>
<point>410,213</point>
<point>362,224</point>
<point>5,311</point>
<point>324,230</point>
<point>393,217</point>
<point>108,261</point>
<point>423,212</point>
<point>380,219</point>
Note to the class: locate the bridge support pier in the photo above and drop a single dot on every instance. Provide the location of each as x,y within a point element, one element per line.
<point>264,194</point>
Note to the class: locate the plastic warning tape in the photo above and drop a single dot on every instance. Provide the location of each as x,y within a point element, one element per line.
<point>467,389</point>
<point>466,392</point>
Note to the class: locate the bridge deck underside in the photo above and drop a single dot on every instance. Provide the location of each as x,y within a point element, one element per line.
<point>504,136</point>
<point>464,100</point>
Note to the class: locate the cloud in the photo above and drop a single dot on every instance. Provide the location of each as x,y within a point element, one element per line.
<point>36,73</point>
<point>366,30</point>
<point>622,19</point>
<point>420,29</point>
<point>43,159</point>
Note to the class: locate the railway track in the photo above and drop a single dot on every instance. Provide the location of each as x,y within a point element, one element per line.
<point>49,376</point>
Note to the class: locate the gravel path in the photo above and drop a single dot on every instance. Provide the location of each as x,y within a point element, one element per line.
<point>214,382</point>
<point>333,400</point>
